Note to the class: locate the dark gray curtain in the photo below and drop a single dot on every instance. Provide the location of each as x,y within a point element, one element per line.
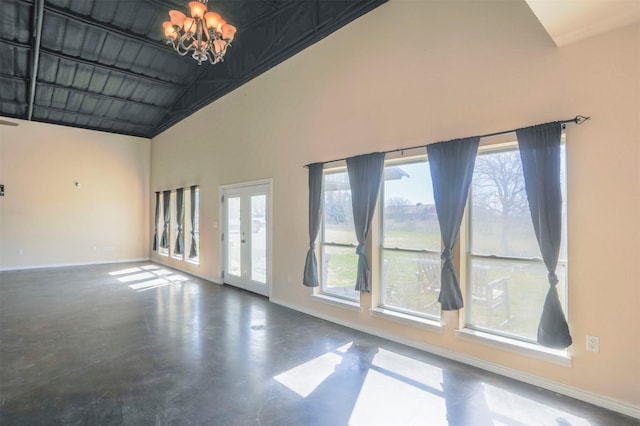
<point>179,248</point>
<point>155,232</point>
<point>193,251</point>
<point>540,153</point>
<point>365,177</point>
<point>451,165</point>
<point>310,278</point>
<point>166,196</point>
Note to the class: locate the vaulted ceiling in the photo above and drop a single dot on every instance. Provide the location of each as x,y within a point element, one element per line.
<point>104,65</point>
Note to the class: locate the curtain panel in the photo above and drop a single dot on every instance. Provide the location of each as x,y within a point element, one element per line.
<point>166,198</point>
<point>451,164</point>
<point>179,247</point>
<point>310,278</point>
<point>365,177</point>
<point>193,251</point>
<point>540,154</point>
<point>155,223</point>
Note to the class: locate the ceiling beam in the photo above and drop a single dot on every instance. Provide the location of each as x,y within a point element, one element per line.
<point>86,92</point>
<point>102,97</point>
<point>64,13</point>
<point>168,3</point>
<point>38,11</point>
<point>64,111</point>
<point>269,16</point>
<point>281,30</point>
<point>144,132</point>
<point>109,68</point>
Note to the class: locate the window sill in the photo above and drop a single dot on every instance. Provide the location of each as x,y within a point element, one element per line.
<point>193,262</point>
<point>337,301</point>
<point>531,350</point>
<point>406,319</point>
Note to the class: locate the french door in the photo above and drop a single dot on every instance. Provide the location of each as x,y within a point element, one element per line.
<point>246,238</point>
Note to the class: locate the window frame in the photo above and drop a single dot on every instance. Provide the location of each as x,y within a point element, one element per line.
<point>398,161</point>
<point>173,207</point>
<point>466,251</point>
<point>323,272</point>
<point>188,226</point>
<point>169,251</point>
<point>164,251</point>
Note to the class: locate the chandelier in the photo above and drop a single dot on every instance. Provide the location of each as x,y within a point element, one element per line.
<point>205,34</point>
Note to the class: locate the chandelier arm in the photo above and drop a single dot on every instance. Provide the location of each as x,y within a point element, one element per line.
<point>187,41</point>
<point>181,48</point>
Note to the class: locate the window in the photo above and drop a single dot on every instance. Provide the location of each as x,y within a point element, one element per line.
<point>410,240</point>
<point>190,212</point>
<point>506,277</point>
<point>192,223</point>
<point>176,213</point>
<point>338,239</point>
<point>163,227</point>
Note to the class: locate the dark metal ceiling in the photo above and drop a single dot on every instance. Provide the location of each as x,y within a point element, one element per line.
<point>104,65</point>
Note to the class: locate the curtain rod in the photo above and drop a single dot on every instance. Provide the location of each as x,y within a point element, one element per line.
<point>578,119</point>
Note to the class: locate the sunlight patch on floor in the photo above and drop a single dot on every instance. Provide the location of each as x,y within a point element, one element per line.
<point>404,403</point>
<point>147,284</point>
<point>148,277</point>
<point>510,407</point>
<point>125,271</point>
<point>419,373</point>
<point>149,267</point>
<point>305,378</point>
<point>136,277</point>
<point>409,390</point>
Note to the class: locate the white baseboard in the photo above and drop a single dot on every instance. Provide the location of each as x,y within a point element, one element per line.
<point>582,395</point>
<point>64,265</point>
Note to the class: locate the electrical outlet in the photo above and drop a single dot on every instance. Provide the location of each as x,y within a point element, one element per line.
<point>593,344</point>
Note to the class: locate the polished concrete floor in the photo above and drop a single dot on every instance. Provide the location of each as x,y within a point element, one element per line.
<point>139,344</point>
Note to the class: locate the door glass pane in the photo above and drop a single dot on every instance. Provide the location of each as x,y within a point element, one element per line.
<point>234,244</point>
<point>258,238</point>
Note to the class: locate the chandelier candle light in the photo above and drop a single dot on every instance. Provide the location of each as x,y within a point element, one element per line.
<point>205,34</point>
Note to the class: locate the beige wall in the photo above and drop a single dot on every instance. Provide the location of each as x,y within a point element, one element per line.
<point>45,220</point>
<point>417,72</point>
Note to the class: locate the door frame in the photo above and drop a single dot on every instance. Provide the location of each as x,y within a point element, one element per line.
<point>269,226</point>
